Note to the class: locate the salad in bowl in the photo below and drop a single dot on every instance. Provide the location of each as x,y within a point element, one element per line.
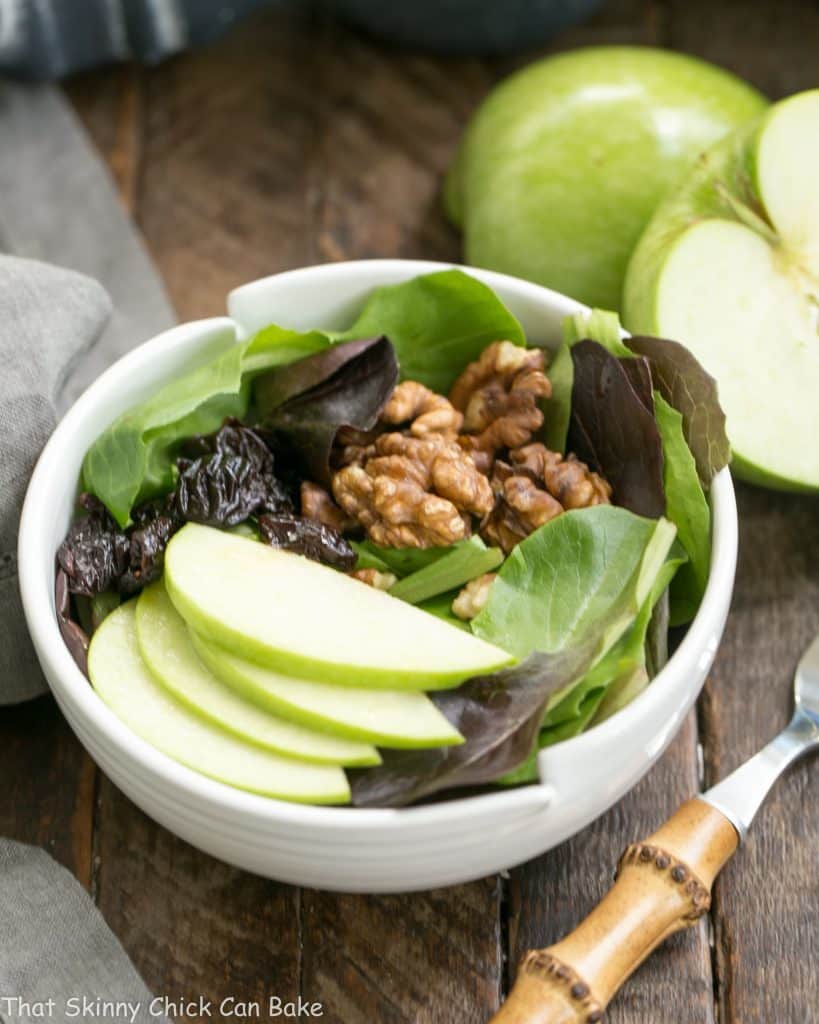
<point>394,561</point>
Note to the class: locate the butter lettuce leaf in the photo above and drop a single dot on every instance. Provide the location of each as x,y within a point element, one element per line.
<point>584,574</point>
<point>437,323</point>
<point>574,709</point>
<point>133,459</point>
<point>615,679</point>
<point>687,507</point>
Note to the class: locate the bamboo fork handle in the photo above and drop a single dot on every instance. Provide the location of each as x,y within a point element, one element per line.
<point>663,884</point>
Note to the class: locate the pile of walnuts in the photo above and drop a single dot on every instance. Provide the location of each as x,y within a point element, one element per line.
<point>436,469</point>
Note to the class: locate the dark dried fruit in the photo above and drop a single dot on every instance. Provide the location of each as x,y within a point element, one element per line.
<point>147,553</point>
<point>95,553</point>
<point>233,438</point>
<point>224,490</point>
<point>97,556</point>
<point>307,537</point>
<point>76,640</point>
<point>230,480</point>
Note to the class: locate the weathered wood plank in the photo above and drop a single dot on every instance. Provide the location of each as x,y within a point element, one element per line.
<point>766,897</point>
<point>48,785</point>
<point>551,894</point>
<point>192,925</point>
<point>110,106</point>
<point>227,193</point>
<point>426,958</point>
<point>390,124</point>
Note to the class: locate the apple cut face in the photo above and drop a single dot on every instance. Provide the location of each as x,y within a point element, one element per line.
<point>729,295</point>
<point>787,175</point>
<point>730,267</point>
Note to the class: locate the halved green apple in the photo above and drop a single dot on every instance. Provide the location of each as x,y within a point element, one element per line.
<point>390,718</point>
<point>300,618</point>
<point>123,681</point>
<point>166,648</point>
<point>729,265</point>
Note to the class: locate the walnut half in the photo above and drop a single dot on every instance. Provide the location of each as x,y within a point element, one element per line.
<point>567,479</point>
<point>421,410</point>
<point>535,486</point>
<point>499,396</point>
<point>413,492</point>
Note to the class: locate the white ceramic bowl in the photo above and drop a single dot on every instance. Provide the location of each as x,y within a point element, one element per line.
<point>338,848</point>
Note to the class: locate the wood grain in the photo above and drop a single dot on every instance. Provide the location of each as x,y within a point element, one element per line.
<point>772,43</point>
<point>48,785</point>
<point>111,108</point>
<point>192,925</point>
<point>427,958</point>
<point>765,903</point>
<point>227,187</point>
<point>379,175</point>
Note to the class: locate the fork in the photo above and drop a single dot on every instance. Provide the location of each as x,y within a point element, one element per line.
<point>663,884</point>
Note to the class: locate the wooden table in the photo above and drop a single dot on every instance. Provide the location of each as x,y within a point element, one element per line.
<point>295,141</point>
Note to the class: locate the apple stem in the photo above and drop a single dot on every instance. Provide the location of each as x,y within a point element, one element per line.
<point>748,216</point>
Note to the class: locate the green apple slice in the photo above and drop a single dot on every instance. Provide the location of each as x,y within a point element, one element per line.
<point>787,167</point>
<point>391,718</point>
<point>166,648</point>
<point>300,618</point>
<point>730,267</point>
<point>123,681</point>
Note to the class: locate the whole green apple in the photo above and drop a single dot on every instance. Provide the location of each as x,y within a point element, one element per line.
<point>564,162</point>
<point>729,265</point>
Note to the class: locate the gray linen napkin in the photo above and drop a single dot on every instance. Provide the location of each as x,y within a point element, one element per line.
<point>56,202</point>
<point>58,960</point>
<point>48,318</point>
